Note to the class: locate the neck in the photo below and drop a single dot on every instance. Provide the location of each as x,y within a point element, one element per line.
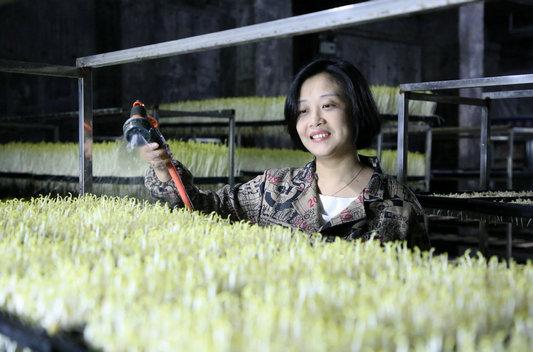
<point>338,169</point>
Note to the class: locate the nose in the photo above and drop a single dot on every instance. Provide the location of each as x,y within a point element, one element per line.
<point>316,118</point>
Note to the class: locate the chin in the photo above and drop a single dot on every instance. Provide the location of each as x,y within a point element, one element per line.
<point>325,153</point>
<point>320,153</point>
<point>322,149</point>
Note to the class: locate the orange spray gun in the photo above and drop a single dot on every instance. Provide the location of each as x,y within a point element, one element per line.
<point>141,129</point>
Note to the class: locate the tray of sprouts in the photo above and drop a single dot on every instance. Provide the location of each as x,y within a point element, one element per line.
<point>140,276</point>
<point>493,207</point>
<point>41,168</point>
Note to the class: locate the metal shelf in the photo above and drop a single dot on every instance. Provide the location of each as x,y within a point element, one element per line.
<point>494,210</point>
<point>419,91</point>
<point>484,210</point>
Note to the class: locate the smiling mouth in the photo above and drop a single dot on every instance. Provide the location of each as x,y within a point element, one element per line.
<point>319,136</point>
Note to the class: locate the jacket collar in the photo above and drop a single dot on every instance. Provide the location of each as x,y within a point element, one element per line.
<point>374,190</point>
<point>307,177</point>
<point>307,202</point>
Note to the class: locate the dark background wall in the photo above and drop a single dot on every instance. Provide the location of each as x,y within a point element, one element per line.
<point>57,32</point>
<point>411,49</point>
<point>416,48</point>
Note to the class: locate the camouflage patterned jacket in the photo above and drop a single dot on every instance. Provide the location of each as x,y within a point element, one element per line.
<point>289,197</point>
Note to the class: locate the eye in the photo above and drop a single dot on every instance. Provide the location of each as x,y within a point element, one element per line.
<point>328,105</point>
<point>302,111</point>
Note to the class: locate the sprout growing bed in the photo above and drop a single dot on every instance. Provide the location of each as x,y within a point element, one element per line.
<point>261,109</point>
<point>50,161</point>
<point>137,276</point>
<point>514,207</point>
<point>271,108</point>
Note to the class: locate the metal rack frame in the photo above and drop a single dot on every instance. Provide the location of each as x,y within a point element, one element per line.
<point>499,133</point>
<point>218,114</point>
<point>514,131</point>
<point>85,103</point>
<point>503,133</point>
<point>334,18</point>
<point>484,210</point>
<point>417,91</point>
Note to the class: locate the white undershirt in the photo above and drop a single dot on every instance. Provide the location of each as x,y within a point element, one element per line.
<point>332,206</point>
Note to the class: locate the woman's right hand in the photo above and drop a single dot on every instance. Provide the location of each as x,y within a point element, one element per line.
<point>157,158</point>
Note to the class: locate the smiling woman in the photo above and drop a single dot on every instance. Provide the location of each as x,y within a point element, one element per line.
<point>327,119</point>
<point>330,112</point>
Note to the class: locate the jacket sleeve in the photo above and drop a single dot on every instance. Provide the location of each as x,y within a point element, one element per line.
<point>242,202</point>
<point>416,230</point>
<point>417,233</point>
<point>400,216</point>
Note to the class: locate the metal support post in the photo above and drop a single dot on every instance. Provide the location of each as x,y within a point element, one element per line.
<point>529,154</point>
<point>231,146</point>
<point>427,166</point>
<point>484,155</point>
<point>403,117</point>
<point>85,128</point>
<point>510,153</point>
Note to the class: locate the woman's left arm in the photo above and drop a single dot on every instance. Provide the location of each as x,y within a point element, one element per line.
<point>417,232</point>
<point>402,216</point>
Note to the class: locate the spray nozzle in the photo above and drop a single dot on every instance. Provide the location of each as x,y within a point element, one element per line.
<point>136,131</point>
<point>140,128</point>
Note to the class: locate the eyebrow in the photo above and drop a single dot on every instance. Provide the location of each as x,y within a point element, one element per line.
<point>322,96</point>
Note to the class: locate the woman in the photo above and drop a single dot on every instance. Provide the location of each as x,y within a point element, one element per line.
<point>331,113</point>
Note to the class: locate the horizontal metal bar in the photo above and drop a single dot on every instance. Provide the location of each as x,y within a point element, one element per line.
<point>468,83</point>
<point>412,129</point>
<point>434,119</point>
<point>474,131</point>
<point>523,130</point>
<point>499,138</point>
<point>222,124</point>
<point>509,94</point>
<point>40,69</point>
<point>213,113</point>
<point>450,99</point>
<point>466,132</point>
<point>96,112</point>
<point>193,124</point>
<point>513,118</point>
<point>314,22</point>
<point>28,125</point>
<point>464,174</point>
<point>265,123</point>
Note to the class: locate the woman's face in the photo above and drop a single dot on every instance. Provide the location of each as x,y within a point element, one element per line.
<point>323,124</point>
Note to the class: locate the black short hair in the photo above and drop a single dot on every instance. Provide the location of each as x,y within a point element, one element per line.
<point>360,104</point>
